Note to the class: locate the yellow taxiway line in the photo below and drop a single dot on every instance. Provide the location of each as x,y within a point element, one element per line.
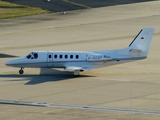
<point>74,3</point>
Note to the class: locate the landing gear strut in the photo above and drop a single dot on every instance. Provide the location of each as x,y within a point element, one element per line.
<point>76,73</point>
<point>21,71</point>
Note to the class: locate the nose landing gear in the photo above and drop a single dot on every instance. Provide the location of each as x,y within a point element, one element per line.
<point>21,71</point>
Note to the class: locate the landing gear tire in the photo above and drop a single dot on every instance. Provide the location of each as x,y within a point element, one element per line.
<point>21,71</point>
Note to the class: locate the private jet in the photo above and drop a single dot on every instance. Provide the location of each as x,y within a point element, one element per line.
<point>83,61</point>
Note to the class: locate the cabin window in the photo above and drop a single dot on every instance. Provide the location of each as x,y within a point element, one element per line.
<point>60,56</point>
<point>66,56</point>
<point>71,56</point>
<point>55,56</point>
<point>49,56</point>
<point>77,56</point>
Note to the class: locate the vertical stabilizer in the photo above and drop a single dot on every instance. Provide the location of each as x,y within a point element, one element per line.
<point>140,45</point>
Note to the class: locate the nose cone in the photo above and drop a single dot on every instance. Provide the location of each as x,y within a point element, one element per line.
<point>9,63</point>
<point>14,62</point>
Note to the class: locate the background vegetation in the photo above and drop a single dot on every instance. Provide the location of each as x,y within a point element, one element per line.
<point>10,10</point>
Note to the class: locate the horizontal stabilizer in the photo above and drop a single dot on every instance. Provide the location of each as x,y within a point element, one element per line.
<point>135,50</point>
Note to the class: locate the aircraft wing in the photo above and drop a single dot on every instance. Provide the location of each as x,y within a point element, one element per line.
<point>72,68</point>
<point>108,59</point>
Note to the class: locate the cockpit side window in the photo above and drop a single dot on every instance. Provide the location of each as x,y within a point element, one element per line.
<point>35,55</point>
<point>32,55</point>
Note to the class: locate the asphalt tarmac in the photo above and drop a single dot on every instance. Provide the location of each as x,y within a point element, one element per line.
<point>67,5</point>
<point>127,87</point>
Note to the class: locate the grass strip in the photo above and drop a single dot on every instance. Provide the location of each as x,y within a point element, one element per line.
<point>10,10</point>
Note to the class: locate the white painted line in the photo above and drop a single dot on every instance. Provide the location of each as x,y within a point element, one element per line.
<point>40,104</point>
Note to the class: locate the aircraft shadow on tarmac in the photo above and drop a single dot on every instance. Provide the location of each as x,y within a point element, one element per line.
<point>66,5</point>
<point>38,79</point>
<point>2,55</point>
<point>42,78</point>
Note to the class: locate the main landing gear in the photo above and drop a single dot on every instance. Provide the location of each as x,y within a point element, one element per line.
<point>21,71</point>
<point>76,73</point>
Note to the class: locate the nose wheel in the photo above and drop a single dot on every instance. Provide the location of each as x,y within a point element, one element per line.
<point>21,71</point>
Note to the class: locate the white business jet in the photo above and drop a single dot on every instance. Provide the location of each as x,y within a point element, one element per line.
<point>82,61</point>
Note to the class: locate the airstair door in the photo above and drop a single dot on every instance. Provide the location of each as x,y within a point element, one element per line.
<point>49,60</point>
<point>50,57</point>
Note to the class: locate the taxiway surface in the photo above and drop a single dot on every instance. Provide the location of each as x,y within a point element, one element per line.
<point>127,86</point>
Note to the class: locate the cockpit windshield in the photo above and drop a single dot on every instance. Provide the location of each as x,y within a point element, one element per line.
<point>32,55</point>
